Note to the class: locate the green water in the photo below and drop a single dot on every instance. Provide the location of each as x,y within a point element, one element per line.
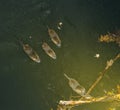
<point>26,85</point>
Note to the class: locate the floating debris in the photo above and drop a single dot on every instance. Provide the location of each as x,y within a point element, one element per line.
<point>97,55</point>
<point>110,38</point>
<point>30,52</point>
<point>54,37</point>
<point>48,50</point>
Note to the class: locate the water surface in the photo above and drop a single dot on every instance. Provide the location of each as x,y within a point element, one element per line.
<point>26,85</point>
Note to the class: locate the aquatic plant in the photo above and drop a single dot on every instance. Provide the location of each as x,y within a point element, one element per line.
<point>110,38</point>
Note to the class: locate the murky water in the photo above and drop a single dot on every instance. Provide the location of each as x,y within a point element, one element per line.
<point>26,85</point>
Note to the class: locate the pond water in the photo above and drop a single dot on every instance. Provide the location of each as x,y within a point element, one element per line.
<point>26,85</point>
